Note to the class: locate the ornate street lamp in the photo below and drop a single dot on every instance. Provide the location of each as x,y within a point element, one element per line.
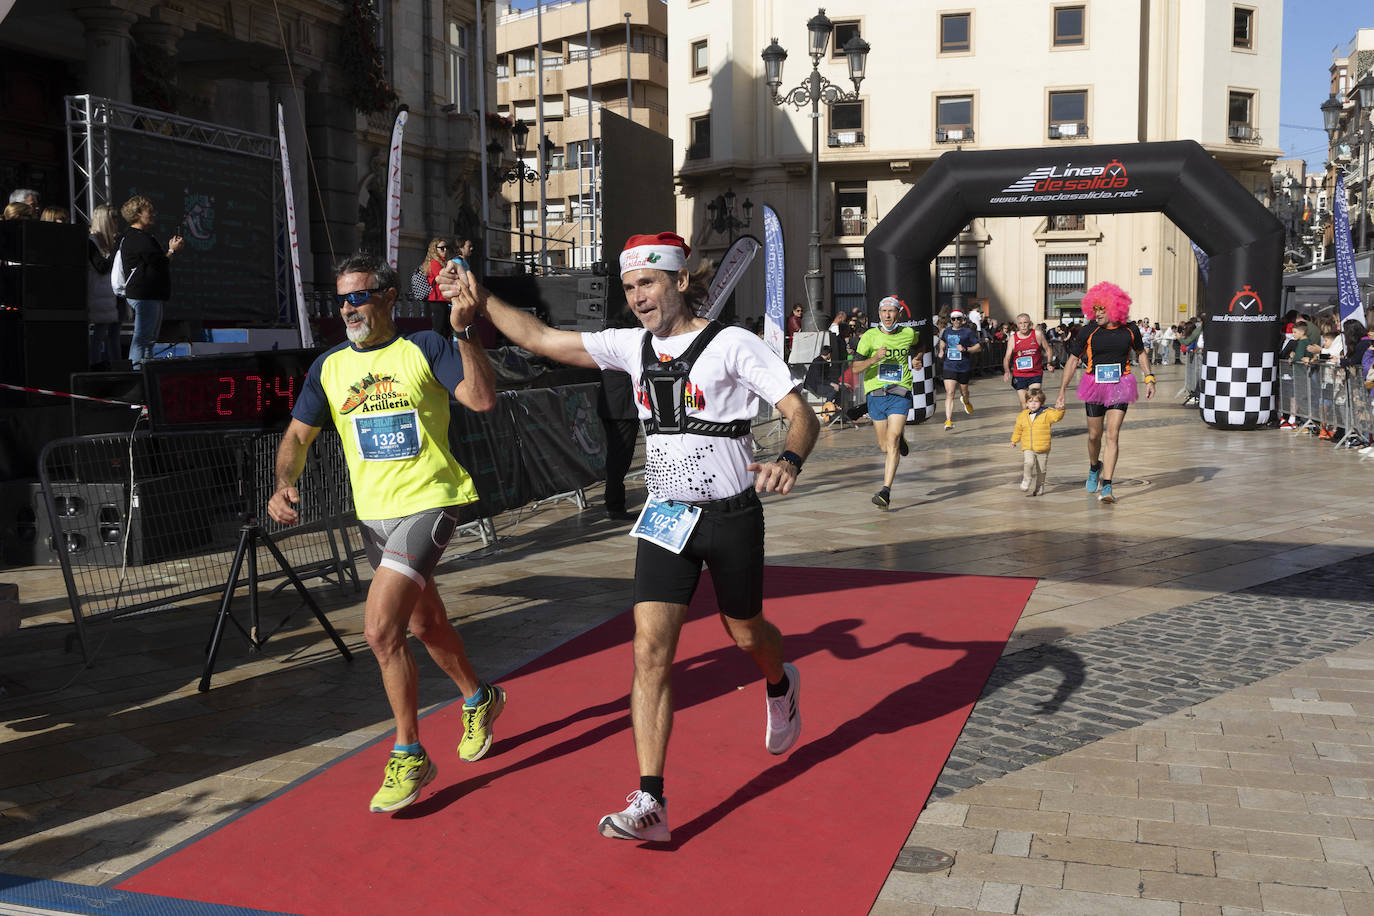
<point>815,90</point>
<point>720,214</point>
<point>519,173</point>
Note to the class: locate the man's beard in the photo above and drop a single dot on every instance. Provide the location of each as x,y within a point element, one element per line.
<point>358,332</point>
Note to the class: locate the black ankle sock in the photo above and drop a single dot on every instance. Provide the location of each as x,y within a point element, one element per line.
<point>1095,467</point>
<point>1106,483</point>
<point>654,786</point>
<point>885,490</point>
<point>780,688</point>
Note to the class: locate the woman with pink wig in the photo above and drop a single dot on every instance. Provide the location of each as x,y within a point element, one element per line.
<point>1105,347</point>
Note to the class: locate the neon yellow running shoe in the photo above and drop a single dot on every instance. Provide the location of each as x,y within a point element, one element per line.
<point>477,722</point>
<point>406,775</point>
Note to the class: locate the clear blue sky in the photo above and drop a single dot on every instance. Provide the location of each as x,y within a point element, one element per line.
<point>1310,31</point>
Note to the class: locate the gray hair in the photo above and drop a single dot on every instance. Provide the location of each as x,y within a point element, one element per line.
<point>21,195</point>
<point>361,262</point>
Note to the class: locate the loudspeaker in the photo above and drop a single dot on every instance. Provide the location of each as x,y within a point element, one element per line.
<point>31,241</point>
<point>574,302</point>
<point>162,521</point>
<point>92,417</point>
<point>40,354</point>
<point>19,524</point>
<point>41,287</point>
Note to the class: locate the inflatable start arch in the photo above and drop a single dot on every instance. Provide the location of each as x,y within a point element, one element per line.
<point>1179,179</point>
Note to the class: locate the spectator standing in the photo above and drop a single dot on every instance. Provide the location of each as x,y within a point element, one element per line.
<point>102,306</point>
<point>436,256</point>
<point>55,215</point>
<point>27,196</point>
<point>839,330</point>
<point>18,210</point>
<point>1168,339</point>
<point>794,324</point>
<point>148,267</point>
<point>1032,433</point>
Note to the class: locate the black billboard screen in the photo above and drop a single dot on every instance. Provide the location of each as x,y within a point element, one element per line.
<point>221,202</point>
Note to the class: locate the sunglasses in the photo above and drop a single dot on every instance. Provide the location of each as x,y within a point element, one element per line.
<point>441,248</point>
<point>356,298</point>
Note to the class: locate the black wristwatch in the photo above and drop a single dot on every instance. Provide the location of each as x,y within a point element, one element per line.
<point>465,334</point>
<point>793,459</point>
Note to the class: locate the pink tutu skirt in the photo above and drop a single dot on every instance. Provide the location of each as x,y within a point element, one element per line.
<point>1092,391</point>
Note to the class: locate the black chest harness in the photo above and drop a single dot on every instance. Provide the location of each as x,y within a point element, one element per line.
<point>666,386</point>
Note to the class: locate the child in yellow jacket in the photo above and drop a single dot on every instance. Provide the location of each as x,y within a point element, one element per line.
<point>1032,433</point>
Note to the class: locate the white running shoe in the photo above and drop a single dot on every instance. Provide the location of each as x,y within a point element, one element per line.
<point>1025,483</point>
<point>645,819</point>
<point>784,714</point>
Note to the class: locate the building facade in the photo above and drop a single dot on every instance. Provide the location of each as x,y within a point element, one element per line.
<point>596,55</point>
<point>996,74</point>
<point>1351,140</point>
<point>340,68</point>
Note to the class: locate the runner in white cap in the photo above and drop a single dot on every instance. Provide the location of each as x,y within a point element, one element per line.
<point>697,385</point>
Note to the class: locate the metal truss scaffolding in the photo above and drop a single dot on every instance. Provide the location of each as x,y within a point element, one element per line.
<point>91,123</point>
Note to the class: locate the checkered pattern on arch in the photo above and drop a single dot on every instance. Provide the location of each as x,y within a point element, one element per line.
<point>1237,389</point>
<point>922,390</point>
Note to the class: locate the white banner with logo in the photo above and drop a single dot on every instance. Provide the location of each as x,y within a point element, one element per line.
<point>393,190</point>
<point>773,280</point>
<point>302,315</point>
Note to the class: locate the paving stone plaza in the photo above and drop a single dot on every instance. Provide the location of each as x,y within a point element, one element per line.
<point>1181,723</point>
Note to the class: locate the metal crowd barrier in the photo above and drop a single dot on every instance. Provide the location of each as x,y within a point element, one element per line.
<point>140,521</point>
<point>1321,396</point>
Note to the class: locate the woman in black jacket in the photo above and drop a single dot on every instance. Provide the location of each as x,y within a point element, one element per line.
<point>148,269</point>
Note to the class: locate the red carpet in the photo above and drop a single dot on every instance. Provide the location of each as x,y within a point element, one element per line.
<point>891,664</point>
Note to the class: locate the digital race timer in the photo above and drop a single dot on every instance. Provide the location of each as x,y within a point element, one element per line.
<point>226,391</point>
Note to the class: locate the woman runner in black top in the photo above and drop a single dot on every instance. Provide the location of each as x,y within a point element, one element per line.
<point>1105,348</point>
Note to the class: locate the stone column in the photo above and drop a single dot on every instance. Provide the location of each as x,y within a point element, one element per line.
<point>292,101</point>
<point>109,45</point>
<point>157,56</point>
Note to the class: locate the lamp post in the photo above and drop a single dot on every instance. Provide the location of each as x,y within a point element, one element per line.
<point>720,214</point>
<point>1366,97</point>
<point>519,173</point>
<point>815,90</point>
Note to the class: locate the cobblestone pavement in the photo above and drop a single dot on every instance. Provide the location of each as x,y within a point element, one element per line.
<point>1051,699</point>
<point>1182,722</point>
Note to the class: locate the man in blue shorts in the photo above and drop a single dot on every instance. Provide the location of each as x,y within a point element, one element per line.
<point>388,397</point>
<point>956,345</point>
<point>884,357</point>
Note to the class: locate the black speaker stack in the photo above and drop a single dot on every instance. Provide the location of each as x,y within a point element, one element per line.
<point>43,338</point>
<point>95,521</point>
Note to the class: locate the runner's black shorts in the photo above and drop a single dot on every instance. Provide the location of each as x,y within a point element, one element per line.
<point>1100,410</point>
<point>729,540</point>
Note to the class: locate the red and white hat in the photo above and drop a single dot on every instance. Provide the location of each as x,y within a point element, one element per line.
<point>665,251</point>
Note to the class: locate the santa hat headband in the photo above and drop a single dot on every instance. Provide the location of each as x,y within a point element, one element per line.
<point>665,251</point>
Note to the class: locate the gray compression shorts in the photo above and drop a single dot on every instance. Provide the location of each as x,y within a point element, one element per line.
<point>413,545</point>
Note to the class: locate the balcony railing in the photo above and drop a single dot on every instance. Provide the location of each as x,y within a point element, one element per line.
<point>1242,133</point>
<point>841,138</point>
<point>1069,130</point>
<point>699,151</point>
<point>953,134</point>
<point>1064,222</point>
